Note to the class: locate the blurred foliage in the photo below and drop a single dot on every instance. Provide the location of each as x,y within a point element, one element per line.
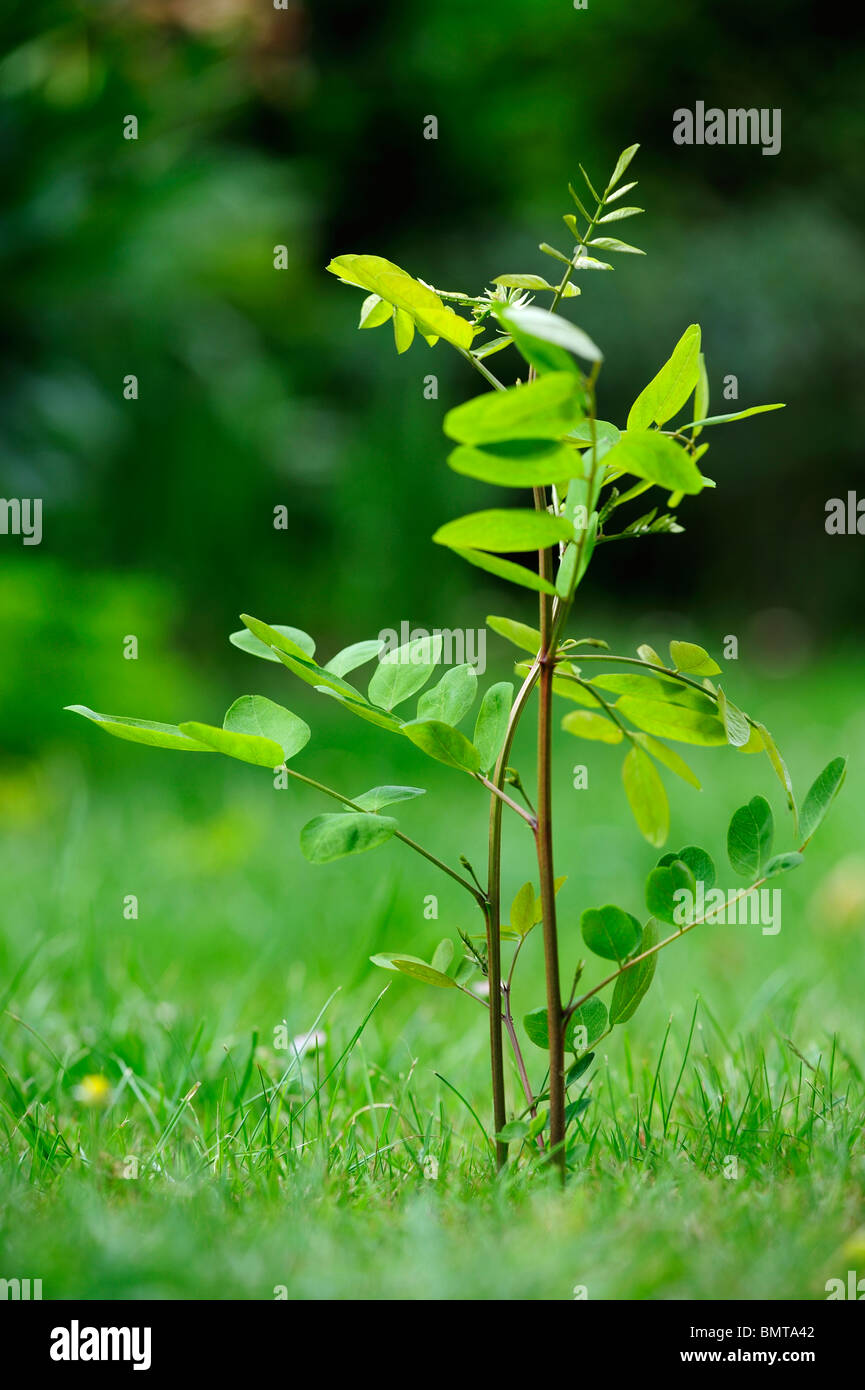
<point>303,127</point>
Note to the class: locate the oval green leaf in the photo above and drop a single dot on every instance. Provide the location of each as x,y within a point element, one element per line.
<point>646,796</point>
<point>330,837</point>
<point>255,714</point>
<point>610,931</point>
<point>248,642</point>
<point>154,735</point>
<point>443,743</point>
<point>492,723</point>
<point>503,531</point>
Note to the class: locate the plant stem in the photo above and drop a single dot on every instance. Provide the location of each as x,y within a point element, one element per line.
<point>484,371</point>
<point>530,819</point>
<point>515,1044</point>
<point>494,909</point>
<point>544,847</point>
<point>544,842</point>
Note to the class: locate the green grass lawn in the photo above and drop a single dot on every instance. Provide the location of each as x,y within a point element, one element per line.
<point>721,1155</point>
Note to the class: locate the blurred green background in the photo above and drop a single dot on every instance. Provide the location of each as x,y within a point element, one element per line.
<point>303,127</point>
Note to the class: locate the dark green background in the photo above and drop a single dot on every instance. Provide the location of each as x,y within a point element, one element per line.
<point>305,127</point>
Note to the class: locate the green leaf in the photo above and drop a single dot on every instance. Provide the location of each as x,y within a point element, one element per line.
<point>668,391</point>
<point>247,748</point>
<point>419,970</point>
<point>378,797</point>
<point>611,243</point>
<point>550,328</point>
<point>583,261</point>
<point>446,745</point>
<point>588,184</point>
<point>621,165</point>
<point>330,837</point>
<point>610,932</point>
<point>535,1024</point>
<point>518,462</point>
<point>698,860</point>
<point>701,398</point>
<point>288,640</point>
<point>465,970</point>
<point>143,731</point>
<point>356,704</point>
<point>618,213</point>
<point>579,1069</point>
<point>504,531</point>
<point>492,723</point>
<point>633,985</point>
<point>781,863</point>
<point>566,578</point>
<point>523,282</point>
<point>579,203</point>
<point>402,672</point>
<point>551,251</point>
<point>316,676</point>
<point>669,757</point>
<point>649,655</point>
<point>820,797</point>
<point>584,724</point>
<point>523,910</point>
<point>663,883</point>
<point>413,966</point>
<point>506,569</point>
<point>490,346</point>
<point>676,722</point>
<point>544,356</point>
<point>248,642</point>
<point>740,415</point>
<point>669,692</point>
<point>593,1017</point>
<point>646,796</point>
<point>392,284</point>
<point>749,837</point>
<point>544,409</point>
<point>513,1131</point>
<point>443,955</point>
<point>358,654</point>
<point>755,740</point>
<point>693,660</point>
<point>452,698</point>
<point>403,330</point>
<point>528,639</point>
<point>653,456</point>
<point>620,192</point>
<point>294,657</point>
<point>255,714</point>
<point>735,723</point>
<point>374,312</point>
<point>780,769</point>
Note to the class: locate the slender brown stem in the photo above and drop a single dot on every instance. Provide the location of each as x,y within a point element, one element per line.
<point>544,845</point>
<point>528,817</point>
<point>494,974</point>
<point>494,908</point>
<point>515,1044</point>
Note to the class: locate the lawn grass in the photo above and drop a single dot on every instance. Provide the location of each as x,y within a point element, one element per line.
<point>721,1154</point>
